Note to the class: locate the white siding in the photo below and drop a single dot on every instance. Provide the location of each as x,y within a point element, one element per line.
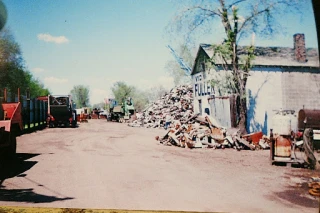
<point>263,97</point>
<point>201,91</point>
<point>268,90</point>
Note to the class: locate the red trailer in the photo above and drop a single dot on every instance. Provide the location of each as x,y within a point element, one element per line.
<point>10,126</point>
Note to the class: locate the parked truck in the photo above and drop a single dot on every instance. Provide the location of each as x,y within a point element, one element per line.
<point>10,126</point>
<point>121,113</point>
<point>61,111</point>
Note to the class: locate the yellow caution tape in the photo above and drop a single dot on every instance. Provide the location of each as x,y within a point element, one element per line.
<point>12,209</point>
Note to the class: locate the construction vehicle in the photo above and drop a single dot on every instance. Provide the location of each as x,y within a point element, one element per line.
<point>61,111</point>
<point>10,125</point>
<point>121,113</point>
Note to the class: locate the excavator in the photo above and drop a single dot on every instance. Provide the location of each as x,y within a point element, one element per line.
<point>121,113</point>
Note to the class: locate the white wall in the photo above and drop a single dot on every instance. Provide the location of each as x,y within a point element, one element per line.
<point>263,97</point>
<point>201,91</point>
<point>280,89</point>
<point>268,89</point>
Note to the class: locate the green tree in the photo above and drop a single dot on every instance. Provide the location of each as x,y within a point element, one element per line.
<point>13,74</point>
<point>80,95</point>
<point>121,91</point>
<point>174,69</point>
<point>140,100</point>
<point>35,86</point>
<point>11,63</point>
<point>238,19</point>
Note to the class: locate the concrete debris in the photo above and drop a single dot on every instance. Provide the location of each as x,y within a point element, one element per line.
<point>174,112</point>
<point>177,105</point>
<point>205,135</point>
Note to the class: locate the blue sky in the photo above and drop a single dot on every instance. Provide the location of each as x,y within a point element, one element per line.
<point>96,43</point>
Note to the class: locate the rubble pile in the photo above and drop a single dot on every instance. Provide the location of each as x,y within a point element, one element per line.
<point>178,104</point>
<point>191,130</point>
<point>205,132</point>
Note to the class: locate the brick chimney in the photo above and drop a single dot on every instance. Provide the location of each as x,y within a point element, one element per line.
<point>300,53</point>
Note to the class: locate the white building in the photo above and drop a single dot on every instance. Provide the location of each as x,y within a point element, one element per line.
<point>281,78</point>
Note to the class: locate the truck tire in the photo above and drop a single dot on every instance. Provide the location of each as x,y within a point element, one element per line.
<point>10,151</point>
<point>51,124</point>
<point>13,144</point>
<point>66,124</point>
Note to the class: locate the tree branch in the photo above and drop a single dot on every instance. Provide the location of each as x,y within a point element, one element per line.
<point>234,3</point>
<point>253,16</point>
<point>213,13</point>
<point>224,17</point>
<point>200,23</point>
<point>265,10</point>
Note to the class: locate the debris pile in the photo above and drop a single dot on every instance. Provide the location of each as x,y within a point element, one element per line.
<point>174,112</point>
<point>176,105</point>
<point>205,132</point>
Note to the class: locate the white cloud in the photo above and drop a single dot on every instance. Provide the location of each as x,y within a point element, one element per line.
<point>37,70</point>
<point>55,80</point>
<point>55,39</point>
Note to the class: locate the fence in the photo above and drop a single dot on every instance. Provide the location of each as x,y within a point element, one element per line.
<point>224,109</point>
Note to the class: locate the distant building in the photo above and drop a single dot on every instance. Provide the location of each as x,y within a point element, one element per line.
<point>281,78</point>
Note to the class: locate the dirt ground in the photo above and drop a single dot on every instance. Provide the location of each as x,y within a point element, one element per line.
<point>106,165</point>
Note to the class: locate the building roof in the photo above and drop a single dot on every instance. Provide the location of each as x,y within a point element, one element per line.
<point>273,56</point>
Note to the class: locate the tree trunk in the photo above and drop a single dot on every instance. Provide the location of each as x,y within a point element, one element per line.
<point>243,115</point>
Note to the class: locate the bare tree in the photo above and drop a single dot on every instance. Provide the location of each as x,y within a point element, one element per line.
<point>155,93</point>
<point>174,68</point>
<point>238,19</point>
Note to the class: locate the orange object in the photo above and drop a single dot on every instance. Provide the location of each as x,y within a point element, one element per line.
<point>12,115</point>
<point>282,147</point>
<point>253,137</point>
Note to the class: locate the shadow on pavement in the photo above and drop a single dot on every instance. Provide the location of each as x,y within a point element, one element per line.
<point>27,195</point>
<point>298,197</point>
<point>15,168</point>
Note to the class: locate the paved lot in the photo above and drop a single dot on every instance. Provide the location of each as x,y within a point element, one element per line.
<point>104,165</point>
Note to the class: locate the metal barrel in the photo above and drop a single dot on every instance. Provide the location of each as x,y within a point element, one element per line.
<point>308,118</point>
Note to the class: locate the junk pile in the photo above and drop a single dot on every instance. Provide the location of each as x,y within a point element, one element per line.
<point>205,132</point>
<point>175,105</point>
<point>174,112</point>
<point>94,114</point>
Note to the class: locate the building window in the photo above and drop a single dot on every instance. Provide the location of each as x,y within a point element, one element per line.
<point>207,110</point>
<point>200,107</point>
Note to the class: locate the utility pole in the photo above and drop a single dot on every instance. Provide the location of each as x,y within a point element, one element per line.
<point>316,11</point>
